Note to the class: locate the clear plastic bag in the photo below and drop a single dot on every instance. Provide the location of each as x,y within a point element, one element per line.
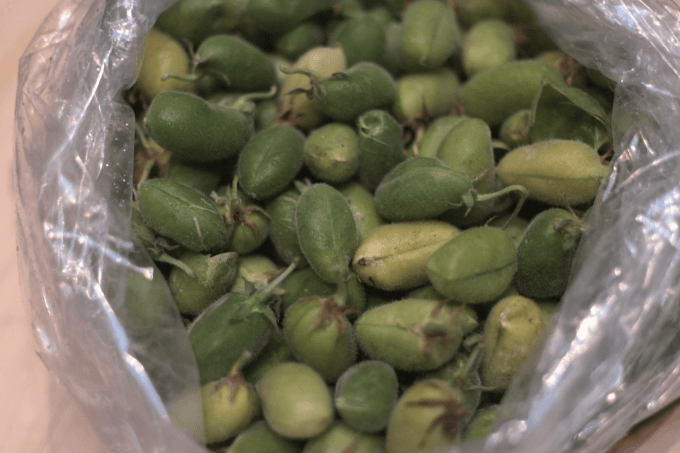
<point>611,360</point>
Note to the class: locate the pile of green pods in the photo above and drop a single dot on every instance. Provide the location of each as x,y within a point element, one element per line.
<point>365,210</point>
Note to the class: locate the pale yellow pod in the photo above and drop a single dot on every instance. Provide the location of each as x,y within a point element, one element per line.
<point>394,256</point>
<point>299,109</point>
<point>415,424</point>
<point>510,332</point>
<point>227,409</point>
<point>558,172</point>
<point>296,402</point>
<point>162,55</point>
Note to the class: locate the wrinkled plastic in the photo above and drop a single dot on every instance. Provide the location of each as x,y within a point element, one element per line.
<point>612,359</point>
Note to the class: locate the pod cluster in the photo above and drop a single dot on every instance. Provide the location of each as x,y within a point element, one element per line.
<point>364,208</point>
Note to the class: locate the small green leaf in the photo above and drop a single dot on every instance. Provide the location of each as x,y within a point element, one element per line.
<point>327,231</point>
<point>568,113</point>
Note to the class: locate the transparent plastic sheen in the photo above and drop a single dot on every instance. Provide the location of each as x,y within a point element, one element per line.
<point>612,359</point>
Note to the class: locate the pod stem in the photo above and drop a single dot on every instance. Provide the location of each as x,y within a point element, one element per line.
<point>148,165</point>
<point>235,202</point>
<point>265,292</point>
<point>472,359</point>
<point>524,193</point>
<point>245,103</point>
<point>314,76</point>
<point>166,258</point>
<point>141,135</point>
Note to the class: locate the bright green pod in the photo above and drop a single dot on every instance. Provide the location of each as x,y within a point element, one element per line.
<point>224,331</point>
<point>362,87</point>
<point>183,215</point>
<point>515,130</point>
<point>320,336</point>
<point>410,334</point>
<point>381,146</point>
<point>286,388</point>
<point>343,438</point>
<point>246,67</point>
<point>482,423</point>
<point>195,130</point>
<point>327,231</point>
<point>162,55</point>
<point>213,276</point>
<point>361,38</point>
<point>365,395</point>
<point>415,425</point>
<point>488,44</point>
<point>495,94</point>
<point>429,37</point>
<point>157,247</point>
<point>394,256</point>
<point>331,152</point>
<point>233,324</point>
<point>545,253</point>
<point>195,20</point>
<point>435,132</point>
<point>467,147</point>
<point>299,40</point>
<point>229,406</point>
<point>220,334</point>
<point>425,95</point>
<point>276,17</point>
<point>199,176</point>
<point>557,172</point>
<point>400,194</point>
<point>474,267</point>
<point>363,208</point>
<point>282,233</point>
<point>510,332</point>
<point>270,161</point>
<point>260,438</point>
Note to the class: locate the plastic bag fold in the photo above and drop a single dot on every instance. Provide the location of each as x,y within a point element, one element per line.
<point>612,358</point>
